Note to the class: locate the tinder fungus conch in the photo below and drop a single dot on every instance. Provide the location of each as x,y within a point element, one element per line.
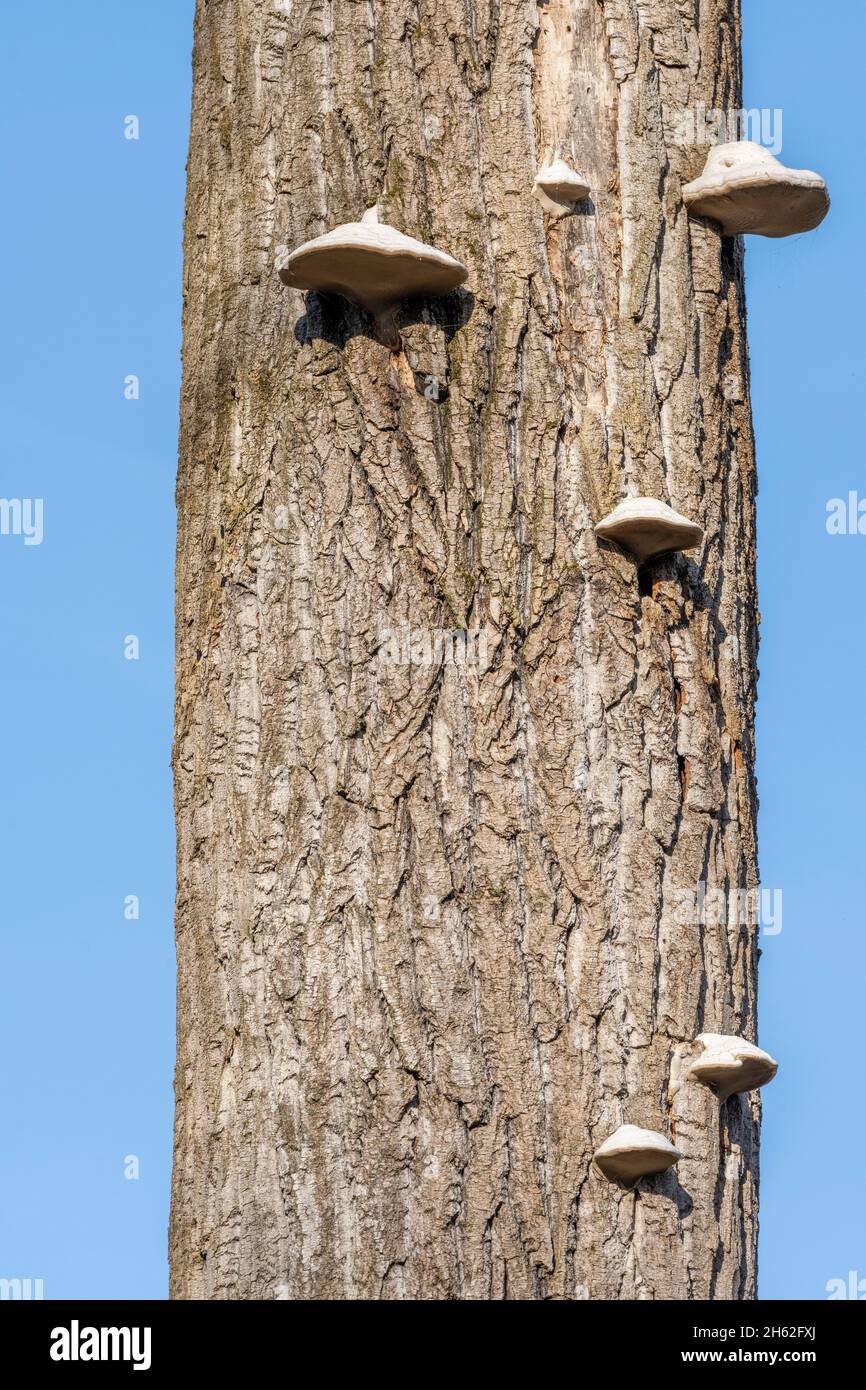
<point>558,188</point>
<point>745,189</point>
<point>374,266</point>
<point>646,528</point>
<point>633,1153</point>
<point>729,1065</point>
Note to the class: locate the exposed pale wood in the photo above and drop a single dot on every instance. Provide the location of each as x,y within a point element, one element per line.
<point>428,955</point>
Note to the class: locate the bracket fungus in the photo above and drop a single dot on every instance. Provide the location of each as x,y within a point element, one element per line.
<point>373,265</point>
<point>729,1065</point>
<point>633,1153</point>
<point>559,189</point>
<point>648,528</point>
<point>746,189</point>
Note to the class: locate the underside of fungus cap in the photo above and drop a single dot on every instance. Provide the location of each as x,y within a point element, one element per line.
<point>633,1153</point>
<point>372,264</point>
<point>558,187</point>
<point>746,189</point>
<point>729,1065</point>
<point>647,527</point>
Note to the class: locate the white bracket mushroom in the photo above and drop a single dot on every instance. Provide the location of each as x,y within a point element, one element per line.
<point>633,1153</point>
<point>647,528</point>
<point>559,189</point>
<point>729,1065</point>
<point>372,265</point>
<point>746,189</point>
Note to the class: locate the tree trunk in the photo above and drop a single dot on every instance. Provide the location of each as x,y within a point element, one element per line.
<point>430,942</point>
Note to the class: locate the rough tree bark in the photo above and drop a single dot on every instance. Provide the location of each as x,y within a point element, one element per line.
<point>429,951</point>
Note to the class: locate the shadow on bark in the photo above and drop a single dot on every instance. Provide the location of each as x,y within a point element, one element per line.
<point>337,320</point>
<point>661,1185</point>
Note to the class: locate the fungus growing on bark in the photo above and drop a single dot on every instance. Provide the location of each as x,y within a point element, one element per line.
<point>373,265</point>
<point>633,1153</point>
<point>746,189</point>
<point>648,528</point>
<point>558,188</point>
<point>729,1065</point>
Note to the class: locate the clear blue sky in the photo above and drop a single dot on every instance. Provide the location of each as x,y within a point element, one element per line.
<point>91,253</point>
